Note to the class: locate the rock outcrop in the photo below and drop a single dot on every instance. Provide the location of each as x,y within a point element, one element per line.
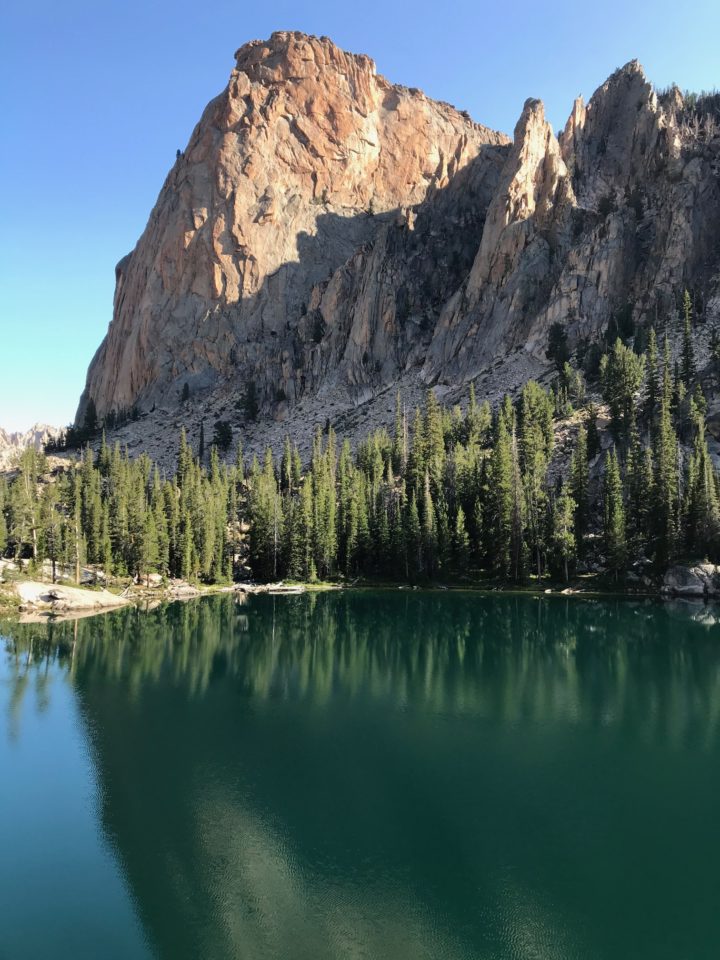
<point>327,233</point>
<point>61,599</point>
<point>295,172</point>
<point>701,580</point>
<point>11,443</point>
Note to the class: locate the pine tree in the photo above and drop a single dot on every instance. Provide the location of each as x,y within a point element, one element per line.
<point>562,536</point>
<point>416,467</point>
<point>3,521</point>
<point>90,422</point>
<point>398,544</point>
<point>149,549</point>
<point>614,516</point>
<point>239,464</point>
<point>460,543</point>
<point>639,486</point>
<point>429,530</point>
<point>434,442</point>
<point>501,501</point>
<point>413,537</point>
<point>286,471</point>
<point>201,442</point>
<point>267,520</point>
<point>78,541</point>
<point>688,356</point>
<point>305,521</point>
<point>51,525</point>
<point>667,379</point>
<point>184,460</point>
<point>593,434</point>
<point>621,375</point>
<point>518,548</point>
<point>665,500</point>
<point>652,384</point>
<point>702,520</point>
<point>536,439</point>
<point>400,451</point>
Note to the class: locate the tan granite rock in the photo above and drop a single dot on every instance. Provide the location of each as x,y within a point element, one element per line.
<point>328,235</point>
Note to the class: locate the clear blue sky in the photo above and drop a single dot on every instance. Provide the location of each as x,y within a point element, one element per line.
<point>96,96</point>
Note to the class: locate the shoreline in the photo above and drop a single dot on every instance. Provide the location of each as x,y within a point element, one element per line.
<point>31,601</point>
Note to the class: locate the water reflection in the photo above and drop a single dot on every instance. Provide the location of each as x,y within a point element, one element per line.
<point>510,657</point>
<point>400,775</point>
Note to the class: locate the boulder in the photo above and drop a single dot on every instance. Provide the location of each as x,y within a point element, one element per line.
<point>701,580</point>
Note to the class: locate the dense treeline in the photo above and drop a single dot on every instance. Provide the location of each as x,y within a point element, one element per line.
<point>447,494</point>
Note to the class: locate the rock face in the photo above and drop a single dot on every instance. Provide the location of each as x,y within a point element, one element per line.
<point>701,580</point>
<point>326,232</point>
<point>12,443</point>
<point>300,178</point>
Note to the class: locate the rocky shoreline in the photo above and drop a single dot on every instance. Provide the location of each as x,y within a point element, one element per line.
<point>37,601</point>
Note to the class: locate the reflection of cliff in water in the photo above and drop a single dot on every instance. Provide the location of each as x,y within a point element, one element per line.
<point>221,735</point>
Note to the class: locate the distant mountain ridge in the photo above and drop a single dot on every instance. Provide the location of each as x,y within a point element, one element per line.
<point>11,443</point>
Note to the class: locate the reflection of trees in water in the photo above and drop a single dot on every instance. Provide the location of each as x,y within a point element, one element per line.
<point>226,814</point>
<point>31,653</point>
<point>508,657</point>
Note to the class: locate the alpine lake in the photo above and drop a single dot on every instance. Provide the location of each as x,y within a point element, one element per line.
<point>376,774</point>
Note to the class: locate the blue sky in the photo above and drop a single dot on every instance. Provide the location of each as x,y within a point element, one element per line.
<point>96,96</point>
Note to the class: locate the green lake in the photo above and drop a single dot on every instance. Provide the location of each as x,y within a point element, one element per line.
<point>374,774</point>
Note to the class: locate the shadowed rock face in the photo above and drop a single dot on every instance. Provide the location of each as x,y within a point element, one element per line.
<point>305,161</point>
<point>326,232</point>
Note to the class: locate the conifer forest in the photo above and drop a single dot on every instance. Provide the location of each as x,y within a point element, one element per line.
<point>461,495</point>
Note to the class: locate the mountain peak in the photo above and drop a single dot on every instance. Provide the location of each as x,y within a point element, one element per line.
<point>327,234</point>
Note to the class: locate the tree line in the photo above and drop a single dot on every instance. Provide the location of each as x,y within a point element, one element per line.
<point>448,493</point>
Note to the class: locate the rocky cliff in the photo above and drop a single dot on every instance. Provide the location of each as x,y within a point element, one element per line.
<point>326,233</point>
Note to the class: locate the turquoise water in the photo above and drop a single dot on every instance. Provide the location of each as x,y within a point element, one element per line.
<point>363,775</point>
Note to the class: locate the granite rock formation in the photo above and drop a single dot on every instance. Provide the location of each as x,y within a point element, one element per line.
<point>14,442</point>
<point>328,233</point>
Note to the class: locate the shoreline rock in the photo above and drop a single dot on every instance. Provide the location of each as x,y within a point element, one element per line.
<point>59,599</point>
<point>700,581</point>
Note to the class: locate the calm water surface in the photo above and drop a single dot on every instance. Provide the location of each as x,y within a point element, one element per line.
<point>363,775</point>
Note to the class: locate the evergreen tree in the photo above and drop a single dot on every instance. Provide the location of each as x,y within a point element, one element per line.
<point>665,500</point>
<point>460,543</point>
<point>621,375</point>
<point>90,423</point>
<point>400,439</point>
<point>222,435</point>
<point>562,536</point>
<point>614,516</point>
<point>652,384</point>
<point>688,356</point>
<point>593,433</point>
<point>702,521</point>
<point>579,487</point>
<point>184,460</point>
<point>639,485</point>
<point>413,537</point>
<point>3,521</point>
<point>501,501</point>
<point>434,443</point>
